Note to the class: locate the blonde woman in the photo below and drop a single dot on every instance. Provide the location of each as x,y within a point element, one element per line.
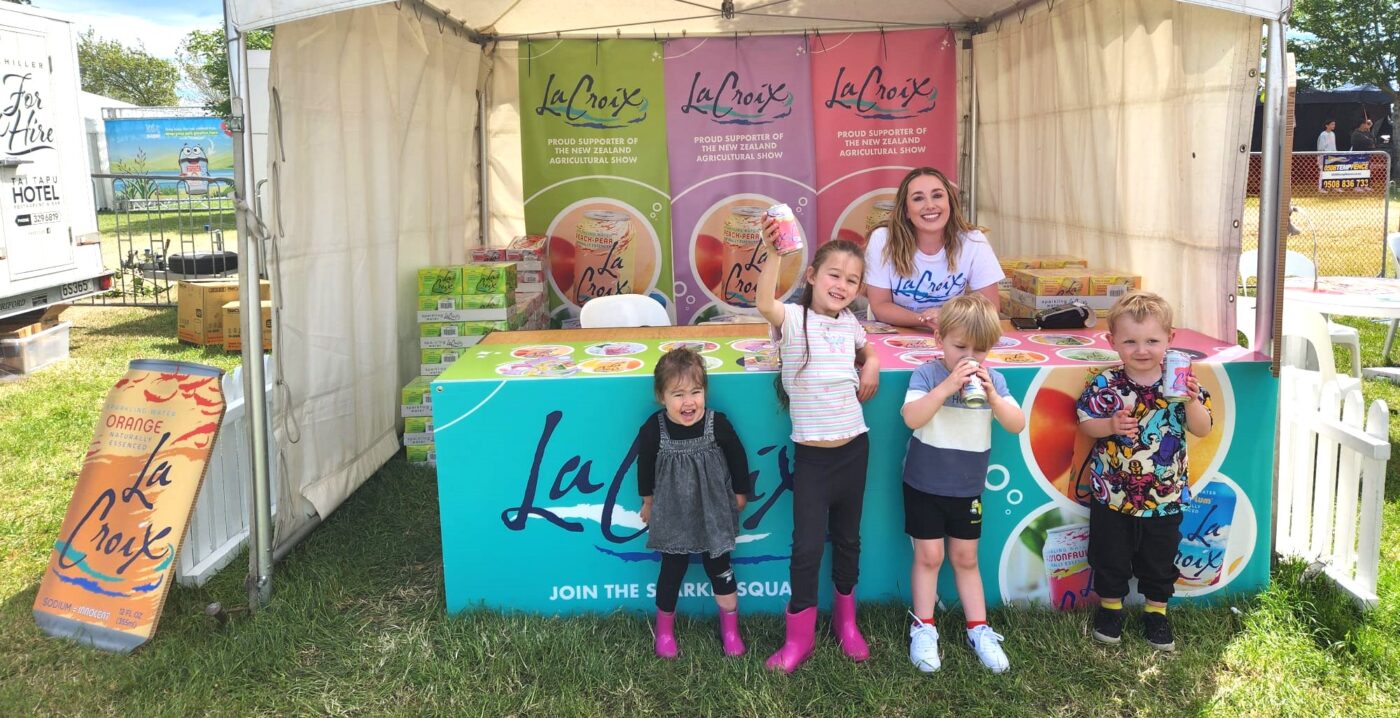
<point>926,253</point>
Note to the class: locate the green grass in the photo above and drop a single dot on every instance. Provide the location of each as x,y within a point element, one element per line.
<point>1349,232</point>
<point>357,625</point>
<point>165,233</point>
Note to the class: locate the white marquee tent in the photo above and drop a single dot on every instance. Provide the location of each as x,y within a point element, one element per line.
<point>1111,129</point>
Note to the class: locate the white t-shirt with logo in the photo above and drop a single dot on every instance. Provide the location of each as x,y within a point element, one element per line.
<point>932,285</point>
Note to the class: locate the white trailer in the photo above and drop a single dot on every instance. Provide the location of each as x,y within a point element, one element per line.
<point>50,249</point>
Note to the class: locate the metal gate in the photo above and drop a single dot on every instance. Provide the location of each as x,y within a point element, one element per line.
<point>161,229</point>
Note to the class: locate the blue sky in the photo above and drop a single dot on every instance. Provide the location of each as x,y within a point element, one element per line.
<point>158,24</point>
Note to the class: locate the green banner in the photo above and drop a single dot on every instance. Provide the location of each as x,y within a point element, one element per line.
<point>593,145</point>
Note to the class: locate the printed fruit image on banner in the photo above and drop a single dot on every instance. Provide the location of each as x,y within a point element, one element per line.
<point>114,557</point>
<point>1047,560</point>
<point>1056,451</point>
<point>728,254</point>
<point>862,216</point>
<point>601,247</point>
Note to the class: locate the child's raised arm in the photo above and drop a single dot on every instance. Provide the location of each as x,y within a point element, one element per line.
<point>768,304</point>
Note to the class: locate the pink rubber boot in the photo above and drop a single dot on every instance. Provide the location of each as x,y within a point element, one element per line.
<point>843,624</point>
<point>797,648</point>
<point>666,634</point>
<point>729,633</point>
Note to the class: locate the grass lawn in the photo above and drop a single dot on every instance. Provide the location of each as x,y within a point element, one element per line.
<point>357,623</point>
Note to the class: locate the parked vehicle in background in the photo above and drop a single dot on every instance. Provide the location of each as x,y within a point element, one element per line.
<point>50,249</point>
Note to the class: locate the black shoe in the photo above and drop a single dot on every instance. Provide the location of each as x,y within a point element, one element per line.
<point>1108,625</point>
<point>1157,629</point>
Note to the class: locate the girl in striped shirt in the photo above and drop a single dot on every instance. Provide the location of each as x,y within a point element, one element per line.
<point>819,341</point>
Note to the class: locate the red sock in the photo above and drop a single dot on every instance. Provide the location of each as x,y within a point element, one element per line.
<point>973,624</point>
<point>927,621</point>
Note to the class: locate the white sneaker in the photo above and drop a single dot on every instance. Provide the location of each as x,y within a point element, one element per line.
<point>923,646</point>
<point>986,643</point>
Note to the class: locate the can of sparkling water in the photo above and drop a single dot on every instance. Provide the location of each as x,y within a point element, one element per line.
<point>1176,366</point>
<point>789,237</point>
<point>974,394</point>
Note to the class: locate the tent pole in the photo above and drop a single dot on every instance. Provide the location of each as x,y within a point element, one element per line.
<point>483,159</point>
<point>259,581</point>
<point>972,139</point>
<point>1270,191</point>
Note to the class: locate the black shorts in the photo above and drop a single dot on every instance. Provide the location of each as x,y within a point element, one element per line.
<point>927,516</point>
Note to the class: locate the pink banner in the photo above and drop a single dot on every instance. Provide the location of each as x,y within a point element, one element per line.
<point>884,102</point>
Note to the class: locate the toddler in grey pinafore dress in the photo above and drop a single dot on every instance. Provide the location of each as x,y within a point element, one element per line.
<point>693,507</point>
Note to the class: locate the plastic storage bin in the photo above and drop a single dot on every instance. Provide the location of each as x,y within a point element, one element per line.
<point>19,357</point>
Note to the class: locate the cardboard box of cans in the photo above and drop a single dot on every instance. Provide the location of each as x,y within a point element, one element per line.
<point>199,314</point>
<point>233,330</point>
<point>1074,282</point>
<point>478,278</point>
<point>433,362</point>
<point>1009,265</point>
<point>416,398</point>
<point>1045,302</point>
<point>531,252</point>
<point>421,454</point>
<point>418,431</point>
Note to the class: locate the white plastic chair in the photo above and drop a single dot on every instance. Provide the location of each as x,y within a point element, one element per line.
<point>623,310</point>
<point>1296,264</point>
<point>1303,328</point>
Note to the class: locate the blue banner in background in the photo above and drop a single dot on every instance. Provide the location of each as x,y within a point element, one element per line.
<point>189,146</point>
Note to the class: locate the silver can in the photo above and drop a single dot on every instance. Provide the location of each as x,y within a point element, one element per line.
<point>1176,366</point>
<point>974,395</point>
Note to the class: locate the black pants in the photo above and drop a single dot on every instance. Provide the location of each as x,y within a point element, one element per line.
<point>828,493</point>
<point>673,566</point>
<point>1122,546</point>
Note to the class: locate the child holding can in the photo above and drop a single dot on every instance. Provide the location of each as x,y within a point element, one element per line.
<point>950,405</point>
<point>1137,467</point>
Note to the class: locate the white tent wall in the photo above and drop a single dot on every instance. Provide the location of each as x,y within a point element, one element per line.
<point>374,176</point>
<point>1112,130</point>
<point>503,140</point>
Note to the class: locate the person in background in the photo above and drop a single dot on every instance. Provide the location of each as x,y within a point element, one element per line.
<point>1137,468</point>
<point>1361,139</point>
<point>693,476</point>
<point>926,253</point>
<point>1327,139</point>
<point>945,468</point>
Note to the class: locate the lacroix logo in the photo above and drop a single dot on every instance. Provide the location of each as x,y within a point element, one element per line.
<point>588,104</point>
<point>731,101</point>
<point>875,96</point>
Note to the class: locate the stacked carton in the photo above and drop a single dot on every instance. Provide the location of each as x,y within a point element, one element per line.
<point>416,402</point>
<point>1033,290</point>
<point>531,257</point>
<point>1009,265</point>
<point>457,305</point>
<point>200,314</point>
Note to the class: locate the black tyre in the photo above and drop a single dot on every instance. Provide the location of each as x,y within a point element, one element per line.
<point>203,263</point>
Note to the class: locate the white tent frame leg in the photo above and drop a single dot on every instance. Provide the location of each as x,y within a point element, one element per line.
<point>260,559</point>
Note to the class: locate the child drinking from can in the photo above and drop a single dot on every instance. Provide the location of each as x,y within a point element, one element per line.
<point>945,468</point>
<point>1138,472</point>
<point>693,476</point>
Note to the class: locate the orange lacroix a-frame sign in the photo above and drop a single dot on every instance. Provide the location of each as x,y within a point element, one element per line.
<point>114,558</point>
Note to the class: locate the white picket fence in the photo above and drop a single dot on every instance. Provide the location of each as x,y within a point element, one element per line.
<point>218,527</point>
<point>1331,485</point>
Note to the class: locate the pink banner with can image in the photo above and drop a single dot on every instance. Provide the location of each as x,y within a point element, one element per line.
<point>884,103</point>
<point>739,140</point>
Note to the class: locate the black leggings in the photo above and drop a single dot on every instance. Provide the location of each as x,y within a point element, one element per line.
<point>828,494</point>
<point>673,566</point>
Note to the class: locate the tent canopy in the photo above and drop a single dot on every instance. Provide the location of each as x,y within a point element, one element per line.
<point>375,168</point>
<point>518,18</point>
